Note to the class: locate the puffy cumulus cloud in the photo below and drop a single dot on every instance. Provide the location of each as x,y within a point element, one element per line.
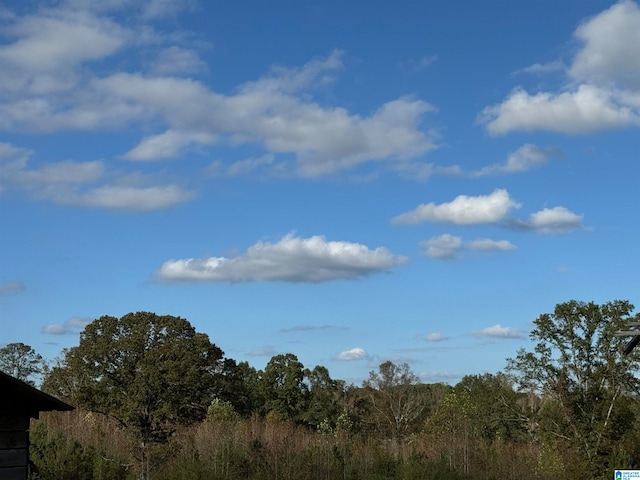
<point>356,353</point>
<point>588,109</point>
<point>443,247</point>
<point>603,81</point>
<point>447,246</point>
<point>611,41</point>
<point>556,220</point>
<point>276,111</point>
<point>292,259</point>
<point>528,156</point>
<point>12,287</point>
<point>498,331</point>
<point>463,210</point>
<point>72,325</point>
<point>436,337</point>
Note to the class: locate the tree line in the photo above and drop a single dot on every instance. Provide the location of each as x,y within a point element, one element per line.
<point>567,407</point>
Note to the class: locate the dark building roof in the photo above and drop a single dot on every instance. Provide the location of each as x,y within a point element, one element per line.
<point>18,396</point>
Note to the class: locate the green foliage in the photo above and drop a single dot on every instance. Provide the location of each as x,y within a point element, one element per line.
<point>54,456</point>
<point>283,388</point>
<point>21,361</point>
<point>150,372</point>
<point>492,407</point>
<point>325,395</point>
<point>221,411</point>
<point>578,368</point>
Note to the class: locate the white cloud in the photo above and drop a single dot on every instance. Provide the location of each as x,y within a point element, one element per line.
<point>169,144</point>
<point>443,247</point>
<point>166,8</point>
<point>611,42</point>
<point>528,156</point>
<point>417,65</point>
<point>356,353</point>
<point>72,325</point>
<point>603,81</point>
<point>436,337</point>
<point>488,245</point>
<point>267,351</point>
<point>498,331</point>
<point>311,328</point>
<point>463,210</point>
<point>12,287</point>
<point>65,172</point>
<point>127,198</point>
<point>249,165</point>
<point>556,220</point>
<point>292,259</point>
<point>176,60</point>
<point>588,109</point>
<point>70,183</point>
<point>276,111</point>
<point>55,40</point>
<point>447,246</point>
<point>434,376</point>
<point>543,68</point>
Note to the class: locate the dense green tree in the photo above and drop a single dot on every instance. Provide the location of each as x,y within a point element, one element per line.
<point>241,387</point>
<point>325,395</point>
<point>149,372</point>
<point>283,388</point>
<point>578,369</point>
<point>21,361</point>
<point>395,396</point>
<point>495,407</point>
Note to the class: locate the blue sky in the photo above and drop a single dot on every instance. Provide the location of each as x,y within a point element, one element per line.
<point>350,182</point>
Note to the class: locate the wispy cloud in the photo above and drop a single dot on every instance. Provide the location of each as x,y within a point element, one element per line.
<point>311,328</point>
<point>82,184</point>
<point>448,247</point>
<point>543,68</point>
<point>422,63</point>
<point>72,325</point>
<point>435,376</point>
<point>292,259</point>
<point>489,245</point>
<point>525,158</point>
<point>12,287</point>
<point>267,351</point>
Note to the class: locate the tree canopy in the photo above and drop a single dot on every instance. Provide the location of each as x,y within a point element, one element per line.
<point>150,372</point>
<point>578,368</point>
<point>20,361</point>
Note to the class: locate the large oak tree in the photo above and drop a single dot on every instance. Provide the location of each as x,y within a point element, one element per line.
<point>149,372</point>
